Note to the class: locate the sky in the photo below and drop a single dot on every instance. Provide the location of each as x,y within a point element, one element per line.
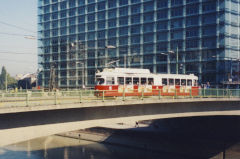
<point>18,18</point>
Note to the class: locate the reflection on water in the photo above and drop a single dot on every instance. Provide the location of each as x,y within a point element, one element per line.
<point>56,147</point>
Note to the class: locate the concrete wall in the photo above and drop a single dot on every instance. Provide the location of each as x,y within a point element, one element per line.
<point>19,126</point>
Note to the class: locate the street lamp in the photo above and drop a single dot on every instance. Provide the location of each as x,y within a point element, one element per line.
<point>83,73</point>
<point>231,67</point>
<point>172,52</point>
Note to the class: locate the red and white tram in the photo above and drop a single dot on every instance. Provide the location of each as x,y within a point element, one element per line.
<point>134,82</point>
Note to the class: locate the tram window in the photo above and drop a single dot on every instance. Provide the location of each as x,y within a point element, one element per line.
<point>128,80</point>
<point>110,80</point>
<point>100,81</point>
<point>177,81</point>
<point>120,80</point>
<point>195,83</point>
<point>183,82</point>
<point>150,81</point>
<point>171,81</point>
<point>143,81</point>
<point>164,81</point>
<point>135,80</point>
<point>189,82</point>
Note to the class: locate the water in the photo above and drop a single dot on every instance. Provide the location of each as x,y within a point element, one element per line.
<point>56,147</point>
<point>179,138</point>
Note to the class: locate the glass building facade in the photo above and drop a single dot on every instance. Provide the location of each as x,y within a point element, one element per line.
<point>79,37</point>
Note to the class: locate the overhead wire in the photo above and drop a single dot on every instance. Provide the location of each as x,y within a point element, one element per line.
<point>18,27</point>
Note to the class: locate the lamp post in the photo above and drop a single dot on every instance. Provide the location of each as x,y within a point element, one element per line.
<point>231,67</point>
<point>172,52</point>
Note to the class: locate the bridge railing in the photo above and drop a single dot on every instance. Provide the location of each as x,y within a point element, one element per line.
<point>30,98</point>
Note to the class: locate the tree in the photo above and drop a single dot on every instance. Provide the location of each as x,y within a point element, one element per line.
<point>3,78</point>
<point>11,82</point>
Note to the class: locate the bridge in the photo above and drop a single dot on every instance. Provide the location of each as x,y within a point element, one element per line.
<point>25,116</point>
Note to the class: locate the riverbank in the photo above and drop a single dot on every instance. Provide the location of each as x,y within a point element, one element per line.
<point>189,137</point>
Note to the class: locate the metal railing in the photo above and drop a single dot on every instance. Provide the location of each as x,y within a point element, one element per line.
<point>40,98</point>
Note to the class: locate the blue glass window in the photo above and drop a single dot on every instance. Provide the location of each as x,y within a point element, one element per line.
<point>54,7</point>
<point>135,1</point>
<point>148,27</point>
<point>191,21</point>
<point>135,39</point>
<point>112,13</point>
<point>177,34</point>
<point>123,40</point>
<point>148,17</point>
<point>112,41</point>
<point>192,43</point>
<point>72,30</point>
<point>54,24</point>
<point>192,9</point>
<point>72,3</point>
<point>123,21</point>
<point>148,37</point>
<point>81,10</point>
<point>91,26</point>
<point>46,9</point>
<point>163,36</point>
<point>46,17</point>
<point>135,29</point>
<point>101,25</point>
<point>162,4</point>
<point>209,19</point>
<point>46,25</point>
<point>176,23</point>
<point>54,16</point>
<point>148,6</point>
<point>191,1</point>
<point>72,12</point>
<point>112,23</point>
<point>209,42</point>
<point>81,28</point>
<point>148,59</point>
<point>63,14</point>
<point>81,19</point>
<point>91,8</point>
<point>123,2</point>
<point>162,14</point>
<point>91,1</point>
<point>101,6</point>
<point>72,21</point>
<point>63,22</point>
<point>176,12</point>
<point>135,19</point>
<point>63,31</point>
<point>91,36</point>
<point>123,11</point>
<point>101,43</point>
<point>111,32</point>
<point>81,37</point>
<point>46,2</point>
<point>101,34</point>
<point>162,25</point>
<point>123,31</point>
<point>63,5</point>
<point>209,30</point>
<point>176,2</point>
<point>101,15</point>
<point>111,3</point>
<point>162,46</point>
<point>135,9</point>
<point>148,48</point>
<point>81,2</point>
<point>192,32</point>
<point>210,6</point>
<point>91,17</point>
<point>135,49</point>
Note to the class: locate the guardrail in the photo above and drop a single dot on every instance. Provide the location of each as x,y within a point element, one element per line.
<point>30,98</point>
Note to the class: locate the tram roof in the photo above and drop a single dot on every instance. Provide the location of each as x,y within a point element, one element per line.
<point>139,71</point>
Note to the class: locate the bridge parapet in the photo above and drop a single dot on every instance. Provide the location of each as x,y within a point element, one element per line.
<point>31,98</point>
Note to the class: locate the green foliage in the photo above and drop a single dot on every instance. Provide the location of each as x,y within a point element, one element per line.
<point>11,82</point>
